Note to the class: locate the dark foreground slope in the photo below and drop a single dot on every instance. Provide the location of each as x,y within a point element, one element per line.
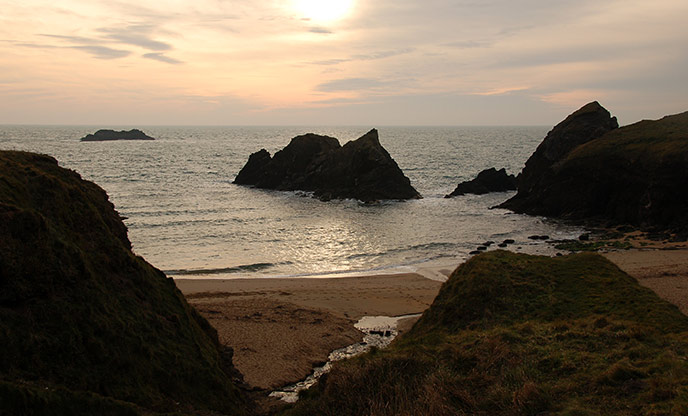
<point>85,325</point>
<point>511,334</point>
<point>634,175</point>
<point>361,169</point>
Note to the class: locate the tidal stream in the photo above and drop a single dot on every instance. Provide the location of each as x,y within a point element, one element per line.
<point>379,332</point>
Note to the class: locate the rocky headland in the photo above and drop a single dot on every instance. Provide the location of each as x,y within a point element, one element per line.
<point>589,169</point>
<point>361,169</point>
<point>86,326</point>
<point>489,180</point>
<point>109,135</point>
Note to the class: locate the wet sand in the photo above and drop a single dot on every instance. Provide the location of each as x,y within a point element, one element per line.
<point>280,328</point>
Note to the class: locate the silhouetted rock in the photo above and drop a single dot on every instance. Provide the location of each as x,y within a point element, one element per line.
<point>586,124</point>
<point>489,180</point>
<point>361,169</point>
<point>633,175</point>
<point>108,135</point>
<point>85,324</point>
<point>255,169</point>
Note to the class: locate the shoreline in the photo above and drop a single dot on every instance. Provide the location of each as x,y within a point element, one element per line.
<point>433,270</point>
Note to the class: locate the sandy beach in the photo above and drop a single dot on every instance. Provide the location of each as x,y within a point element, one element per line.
<point>663,270</point>
<point>281,327</point>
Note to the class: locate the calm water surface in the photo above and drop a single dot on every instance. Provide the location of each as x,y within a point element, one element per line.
<point>187,218</point>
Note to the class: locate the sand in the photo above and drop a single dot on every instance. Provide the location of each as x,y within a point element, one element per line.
<point>663,270</point>
<point>281,328</point>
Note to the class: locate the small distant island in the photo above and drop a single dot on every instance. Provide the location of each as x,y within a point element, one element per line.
<point>104,135</point>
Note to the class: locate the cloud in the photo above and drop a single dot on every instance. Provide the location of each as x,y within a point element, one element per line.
<point>364,57</point>
<point>500,91</point>
<point>136,35</point>
<point>87,45</point>
<point>469,44</point>
<point>157,56</point>
<point>103,52</point>
<point>350,84</point>
<point>327,62</point>
<point>383,54</point>
<point>73,39</point>
<point>322,30</point>
<point>575,97</point>
<point>99,46</point>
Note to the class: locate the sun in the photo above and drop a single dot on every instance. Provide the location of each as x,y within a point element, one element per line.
<point>323,10</point>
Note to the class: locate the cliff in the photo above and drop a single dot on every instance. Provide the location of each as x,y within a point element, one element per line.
<point>512,334</point>
<point>86,326</point>
<point>631,175</point>
<point>361,169</point>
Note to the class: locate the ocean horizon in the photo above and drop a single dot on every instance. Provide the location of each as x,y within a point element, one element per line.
<point>187,218</point>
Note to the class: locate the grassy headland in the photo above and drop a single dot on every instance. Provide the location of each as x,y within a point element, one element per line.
<point>512,334</point>
<point>633,175</point>
<point>86,326</point>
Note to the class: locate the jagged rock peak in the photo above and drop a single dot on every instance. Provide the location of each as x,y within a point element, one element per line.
<point>361,169</point>
<point>587,123</point>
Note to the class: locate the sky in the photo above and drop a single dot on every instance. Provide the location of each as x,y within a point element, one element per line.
<point>339,62</point>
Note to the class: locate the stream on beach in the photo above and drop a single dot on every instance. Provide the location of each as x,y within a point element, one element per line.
<point>379,332</point>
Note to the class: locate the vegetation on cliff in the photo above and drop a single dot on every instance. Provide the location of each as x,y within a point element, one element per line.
<point>86,326</point>
<point>633,175</point>
<point>511,334</point>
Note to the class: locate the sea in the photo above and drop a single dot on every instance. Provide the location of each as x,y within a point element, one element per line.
<point>187,218</point>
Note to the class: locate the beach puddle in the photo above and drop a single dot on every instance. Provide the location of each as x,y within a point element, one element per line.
<point>379,332</point>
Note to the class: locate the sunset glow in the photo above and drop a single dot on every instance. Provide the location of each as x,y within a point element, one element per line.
<point>339,61</point>
<point>323,10</point>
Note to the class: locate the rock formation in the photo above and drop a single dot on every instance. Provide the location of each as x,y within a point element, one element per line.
<point>588,123</point>
<point>489,180</point>
<point>86,326</point>
<point>108,135</point>
<point>587,169</point>
<point>361,169</point>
